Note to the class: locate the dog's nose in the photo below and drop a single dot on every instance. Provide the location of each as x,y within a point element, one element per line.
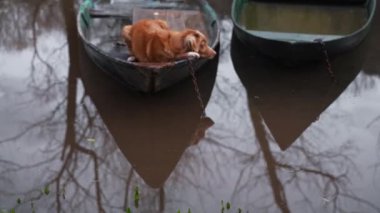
<point>212,53</point>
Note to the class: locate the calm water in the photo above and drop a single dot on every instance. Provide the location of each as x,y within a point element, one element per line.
<point>309,19</point>
<point>283,140</point>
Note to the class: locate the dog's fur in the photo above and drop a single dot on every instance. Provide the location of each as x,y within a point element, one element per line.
<point>153,41</point>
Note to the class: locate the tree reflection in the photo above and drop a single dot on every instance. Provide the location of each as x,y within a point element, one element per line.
<point>21,22</point>
<point>76,155</point>
<point>288,102</point>
<point>87,172</point>
<point>87,160</point>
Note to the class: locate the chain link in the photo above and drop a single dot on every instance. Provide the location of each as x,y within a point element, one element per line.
<point>327,59</point>
<point>196,89</point>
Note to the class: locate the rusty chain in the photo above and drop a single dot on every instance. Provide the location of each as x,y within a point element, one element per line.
<point>327,59</point>
<point>196,88</point>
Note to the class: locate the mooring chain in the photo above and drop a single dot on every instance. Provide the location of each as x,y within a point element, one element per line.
<point>196,88</point>
<point>327,59</point>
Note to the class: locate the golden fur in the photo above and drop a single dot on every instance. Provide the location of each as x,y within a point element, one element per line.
<point>153,41</point>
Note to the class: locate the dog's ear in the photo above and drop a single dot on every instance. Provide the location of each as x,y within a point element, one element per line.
<point>191,43</point>
<point>126,32</point>
<point>163,24</point>
<point>126,35</point>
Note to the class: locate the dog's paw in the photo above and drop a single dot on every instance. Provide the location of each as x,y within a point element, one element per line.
<point>121,43</point>
<point>131,59</point>
<point>193,55</point>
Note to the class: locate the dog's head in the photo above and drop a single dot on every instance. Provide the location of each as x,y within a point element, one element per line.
<point>126,34</point>
<point>197,42</point>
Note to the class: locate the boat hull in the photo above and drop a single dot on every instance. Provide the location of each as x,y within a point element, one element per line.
<point>153,77</point>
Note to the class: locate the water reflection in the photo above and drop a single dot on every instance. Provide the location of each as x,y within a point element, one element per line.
<point>22,22</point>
<point>146,127</point>
<point>307,19</point>
<point>91,141</point>
<point>80,160</point>
<point>372,67</point>
<point>283,103</point>
<point>289,99</point>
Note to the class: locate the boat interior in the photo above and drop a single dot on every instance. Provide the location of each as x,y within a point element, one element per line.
<point>303,20</point>
<point>106,21</point>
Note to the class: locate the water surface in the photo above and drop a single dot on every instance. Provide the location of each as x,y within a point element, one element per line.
<point>72,139</point>
<point>303,18</point>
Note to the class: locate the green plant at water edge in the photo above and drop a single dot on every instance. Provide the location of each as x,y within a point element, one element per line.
<point>32,205</point>
<point>227,207</point>
<point>46,190</point>
<point>13,210</point>
<point>6,211</point>
<point>128,210</point>
<point>137,197</point>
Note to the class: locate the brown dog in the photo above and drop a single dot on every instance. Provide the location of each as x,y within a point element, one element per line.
<point>153,41</point>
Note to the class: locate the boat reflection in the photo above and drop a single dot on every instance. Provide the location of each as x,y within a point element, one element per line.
<point>289,99</point>
<point>67,145</point>
<point>283,103</point>
<point>146,127</point>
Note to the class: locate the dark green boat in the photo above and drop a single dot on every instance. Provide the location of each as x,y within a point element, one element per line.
<point>99,27</point>
<point>302,30</point>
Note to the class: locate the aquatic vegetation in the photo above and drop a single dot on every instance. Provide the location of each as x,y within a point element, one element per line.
<point>32,205</point>
<point>6,211</point>
<point>137,197</point>
<point>225,206</point>
<point>46,190</point>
